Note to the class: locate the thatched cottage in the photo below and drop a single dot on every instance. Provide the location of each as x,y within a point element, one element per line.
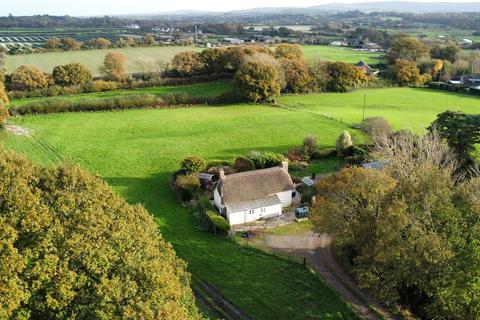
<point>247,196</point>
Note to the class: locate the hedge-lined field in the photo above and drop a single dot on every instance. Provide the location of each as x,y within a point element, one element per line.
<point>340,54</point>
<point>207,89</point>
<point>93,58</point>
<point>136,152</point>
<point>409,108</point>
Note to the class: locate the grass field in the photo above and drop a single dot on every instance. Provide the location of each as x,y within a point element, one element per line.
<point>136,152</point>
<point>340,54</point>
<point>209,89</point>
<point>406,108</point>
<point>93,58</point>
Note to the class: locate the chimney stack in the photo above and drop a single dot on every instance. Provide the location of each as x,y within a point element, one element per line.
<point>285,165</point>
<point>221,174</point>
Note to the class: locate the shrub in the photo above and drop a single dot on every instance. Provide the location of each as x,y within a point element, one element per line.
<point>3,112</point>
<point>265,160</point>
<point>257,82</point>
<point>218,224</point>
<point>101,86</point>
<point>217,163</point>
<point>243,164</point>
<point>376,126</point>
<point>3,94</point>
<point>297,154</point>
<point>189,181</point>
<point>193,164</point>
<point>310,145</point>
<point>71,74</point>
<point>71,240</point>
<point>344,142</point>
<point>28,77</point>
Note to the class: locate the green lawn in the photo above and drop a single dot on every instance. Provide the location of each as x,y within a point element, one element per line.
<point>404,108</point>
<point>329,53</point>
<point>93,58</point>
<point>207,89</point>
<point>136,152</point>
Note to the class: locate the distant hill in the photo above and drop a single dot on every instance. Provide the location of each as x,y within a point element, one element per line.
<point>397,6</point>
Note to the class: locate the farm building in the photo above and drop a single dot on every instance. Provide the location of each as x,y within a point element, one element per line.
<point>252,195</point>
<point>469,80</point>
<point>365,67</point>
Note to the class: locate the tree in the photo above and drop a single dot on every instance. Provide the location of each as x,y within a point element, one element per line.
<point>148,40</point>
<point>461,130</point>
<point>186,64</point>
<point>53,43</point>
<point>125,42</point>
<point>27,77</point>
<point>114,66</point>
<point>297,76</point>
<point>344,141</point>
<point>4,114</point>
<point>407,48</point>
<point>257,82</point>
<point>98,43</point>
<point>445,52</point>
<point>289,51</point>
<point>342,76</point>
<point>70,44</point>
<point>406,72</point>
<point>72,248</point>
<point>193,164</point>
<point>320,75</point>
<point>71,74</point>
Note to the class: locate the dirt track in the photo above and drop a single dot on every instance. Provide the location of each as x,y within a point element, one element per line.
<point>316,249</point>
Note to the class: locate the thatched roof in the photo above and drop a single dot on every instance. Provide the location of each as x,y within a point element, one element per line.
<point>253,185</point>
<point>253,204</point>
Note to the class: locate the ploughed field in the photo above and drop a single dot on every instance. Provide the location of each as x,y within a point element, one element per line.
<point>136,151</point>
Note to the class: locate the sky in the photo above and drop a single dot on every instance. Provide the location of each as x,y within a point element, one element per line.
<point>113,7</point>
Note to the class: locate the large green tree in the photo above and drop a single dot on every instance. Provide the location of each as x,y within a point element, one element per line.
<point>461,130</point>
<point>409,232</point>
<point>407,48</point>
<point>72,249</point>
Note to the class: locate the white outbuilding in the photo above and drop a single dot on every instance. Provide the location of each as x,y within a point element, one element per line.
<point>252,195</point>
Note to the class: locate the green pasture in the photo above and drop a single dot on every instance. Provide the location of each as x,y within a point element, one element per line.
<point>404,108</point>
<point>330,53</point>
<point>136,151</point>
<point>93,59</point>
<point>209,89</point>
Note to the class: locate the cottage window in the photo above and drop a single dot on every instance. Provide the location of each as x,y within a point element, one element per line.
<point>262,210</point>
<point>251,211</point>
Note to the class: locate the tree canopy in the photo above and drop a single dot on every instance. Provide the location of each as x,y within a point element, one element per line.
<point>72,249</point>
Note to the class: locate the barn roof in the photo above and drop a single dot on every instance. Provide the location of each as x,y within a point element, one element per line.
<point>254,185</point>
